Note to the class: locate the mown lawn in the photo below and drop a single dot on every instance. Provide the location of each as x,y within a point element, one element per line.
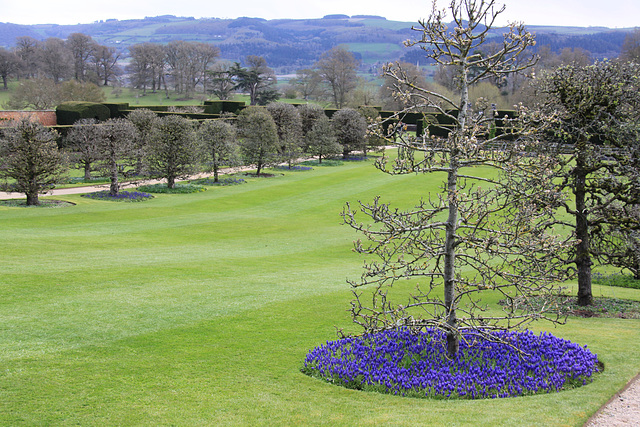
<point>198,309</point>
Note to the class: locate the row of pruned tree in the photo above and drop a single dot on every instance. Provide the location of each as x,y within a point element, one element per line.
<point>172,147</point>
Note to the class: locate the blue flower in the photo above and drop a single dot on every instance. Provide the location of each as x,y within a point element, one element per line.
<point>401,361</point>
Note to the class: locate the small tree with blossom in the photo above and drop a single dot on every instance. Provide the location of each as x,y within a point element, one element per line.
<point>485,232</point>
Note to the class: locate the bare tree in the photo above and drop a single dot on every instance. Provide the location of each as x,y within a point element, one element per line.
<point>338,68</point>
<point>482,233</point>
<point>631,47</point>
<point>188,64</point>
<point>30,156</point>
<point>81,47</point>
<point>205,55</point>
<point>308,83</point>
<point>105,61</point>
<point>147,66</point>
<point>387,89</point>
<point>597,151</point>
<point>27,50</point>
<point>55,59</point>
<point>10,64</point>
<point>37,94</point>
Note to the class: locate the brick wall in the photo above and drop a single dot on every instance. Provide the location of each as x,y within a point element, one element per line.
<point>45,117</point>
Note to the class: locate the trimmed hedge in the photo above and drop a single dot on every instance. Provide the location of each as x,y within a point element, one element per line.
<point>156,108</point>
<point>190,116</point>
<point>117,109</point>
<point>218,107</point>
<point>68,113</point>
<point>329,112</point>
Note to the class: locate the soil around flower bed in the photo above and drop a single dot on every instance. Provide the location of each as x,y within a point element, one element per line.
<point>45,203</point>
<point>604,307</point>
<point>262,175</point>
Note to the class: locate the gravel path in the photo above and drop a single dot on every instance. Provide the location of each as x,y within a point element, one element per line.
<point>623,409</point>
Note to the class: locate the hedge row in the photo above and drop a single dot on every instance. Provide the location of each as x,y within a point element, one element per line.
<point>219,107</point>
<point>436,124</point>
<point>70,112</point>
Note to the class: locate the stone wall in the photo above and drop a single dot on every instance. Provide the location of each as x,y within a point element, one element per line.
<point>44,117</point>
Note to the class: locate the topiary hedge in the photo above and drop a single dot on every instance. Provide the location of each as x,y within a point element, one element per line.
<point>218,107</point>
<point>117,109</point>
<point>70,112</point>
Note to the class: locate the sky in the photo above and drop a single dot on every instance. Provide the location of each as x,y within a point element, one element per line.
<point>581,13</point>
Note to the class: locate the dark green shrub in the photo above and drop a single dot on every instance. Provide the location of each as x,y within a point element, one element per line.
<point>117,109</point>
<point>329,112</point>
<point>218,107</point>
<point>70,112</point>
<point>155,108</point>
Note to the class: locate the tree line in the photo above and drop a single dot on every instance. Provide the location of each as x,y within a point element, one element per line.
<point>56,70</point>
<point>190,68</point>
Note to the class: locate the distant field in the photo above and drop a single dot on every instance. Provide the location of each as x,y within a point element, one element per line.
<point>198,309</point>
<point>374,52</point>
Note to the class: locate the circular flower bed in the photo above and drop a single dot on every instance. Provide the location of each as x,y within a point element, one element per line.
<point>416,364</point>
<point>122,196</point>
<point>177,189</point>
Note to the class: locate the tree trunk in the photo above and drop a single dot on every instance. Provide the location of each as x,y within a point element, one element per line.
<point>171,181</point>
<point>453,337</point>
<point>583,257</point>
<point>32,199</point>
<point>114,187</point>
<point>215,172</point>
<point>87,172</point>
<point>453,340</point>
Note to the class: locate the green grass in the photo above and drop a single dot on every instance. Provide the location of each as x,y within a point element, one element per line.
<point>198,309</point>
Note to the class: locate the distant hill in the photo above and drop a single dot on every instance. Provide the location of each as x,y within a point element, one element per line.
<point>290,44</point>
